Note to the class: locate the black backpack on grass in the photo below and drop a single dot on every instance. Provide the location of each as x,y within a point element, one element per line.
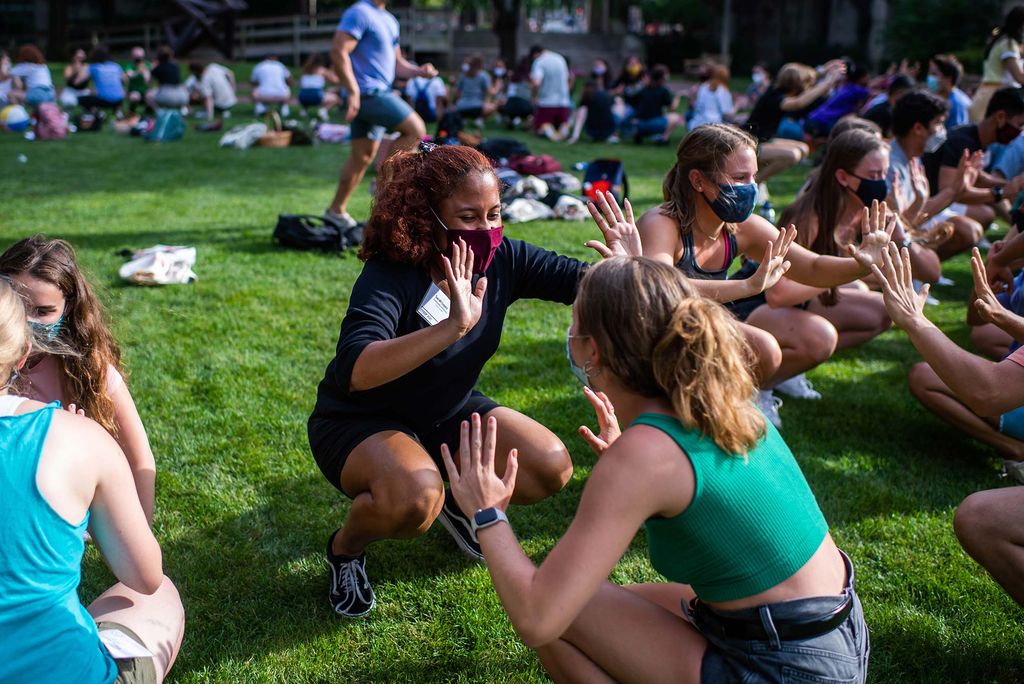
<point>497,149</point>
<point>309,232</point>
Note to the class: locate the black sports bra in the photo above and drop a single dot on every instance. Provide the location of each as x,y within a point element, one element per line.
<point>688,262</point>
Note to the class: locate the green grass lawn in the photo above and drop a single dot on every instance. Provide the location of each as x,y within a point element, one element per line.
<point>225,372</point>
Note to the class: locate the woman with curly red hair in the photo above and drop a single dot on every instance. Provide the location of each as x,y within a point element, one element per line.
<point>424,316</point>
<point>84,371</point>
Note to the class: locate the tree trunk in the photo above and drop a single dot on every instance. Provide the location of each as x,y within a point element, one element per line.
<point>506,25</point>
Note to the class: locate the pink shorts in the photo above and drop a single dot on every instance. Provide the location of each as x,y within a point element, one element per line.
<point>555,116</point>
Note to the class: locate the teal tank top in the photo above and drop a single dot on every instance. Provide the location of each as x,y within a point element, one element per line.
<point>752,523</point>
<point>47,635</point>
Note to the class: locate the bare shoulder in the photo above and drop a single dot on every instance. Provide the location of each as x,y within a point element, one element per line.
<point>645,452</point>
<point>646,459</point>
<point>80,440</point>
<point>659,235</point>
<point>654,217</point>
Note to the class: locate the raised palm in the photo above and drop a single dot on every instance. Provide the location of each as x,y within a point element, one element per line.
<point>467,301</point>
<point>876,228</point>
<point>773,264</point>
<point>621,237</point>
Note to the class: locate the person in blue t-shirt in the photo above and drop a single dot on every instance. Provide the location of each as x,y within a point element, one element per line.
<point>367,58</point>
<point>944,74</point>
<point>847,99</point>
<point>108,81</point>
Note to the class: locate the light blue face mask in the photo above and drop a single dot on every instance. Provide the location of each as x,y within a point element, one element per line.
<point>47,331</point>
<point>932,82</point>
<point>580,373</point>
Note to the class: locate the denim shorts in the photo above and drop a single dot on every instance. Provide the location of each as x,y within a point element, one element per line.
<point>37,95</point>
<point>1011,423</point>
<point>655,126</point>
<point>836,657</point>
<point>311,97</point>
<point>377,112</point>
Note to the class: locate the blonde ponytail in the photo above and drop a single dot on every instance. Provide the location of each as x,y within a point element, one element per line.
<point>703,364</point>
<point>660,338</point>
<point>14,332</point>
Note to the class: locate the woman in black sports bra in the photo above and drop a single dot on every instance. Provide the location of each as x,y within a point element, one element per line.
<point>706,222</point>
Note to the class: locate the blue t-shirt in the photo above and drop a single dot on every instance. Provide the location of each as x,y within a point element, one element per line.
<point>958,104</point>
<point>1011,162</point>
<point>106,79</point>
<point>373,59</point>
<point>846,100</point>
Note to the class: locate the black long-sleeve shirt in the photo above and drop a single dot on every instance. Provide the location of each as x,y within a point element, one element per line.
<point>383,306</point>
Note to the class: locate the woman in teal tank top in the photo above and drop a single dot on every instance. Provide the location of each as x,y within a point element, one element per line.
<point>757,589</point>
<point>61,473</point>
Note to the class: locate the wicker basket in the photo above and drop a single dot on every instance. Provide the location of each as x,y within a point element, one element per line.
<point>275,136</point>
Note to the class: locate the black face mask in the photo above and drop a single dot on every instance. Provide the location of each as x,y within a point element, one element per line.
<point>870,190</point>
<point>1007,133</point>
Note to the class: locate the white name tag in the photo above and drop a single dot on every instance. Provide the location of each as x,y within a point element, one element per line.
<point>122,646</point>
<point>435,306</point>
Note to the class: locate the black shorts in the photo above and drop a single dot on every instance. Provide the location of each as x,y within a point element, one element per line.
<point>332,439</point>
<point>471,112</point>
<point>742,308</point>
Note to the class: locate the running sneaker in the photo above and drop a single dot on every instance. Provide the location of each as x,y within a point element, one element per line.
<point>770,405</point>
<point>798,387</point>
<point>983,244</point>
<point>1013,470</point>
<point>343,220</point>
<point>945,282</point>
<point>458,525</point>
<point>351,594</point>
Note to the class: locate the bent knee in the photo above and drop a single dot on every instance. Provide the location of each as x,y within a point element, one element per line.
<point>972,519</point>
<point>767,354</point>
<point>549,469</point>
<point>818,340</point>
<point>412,501</point>
<point>412,126</point>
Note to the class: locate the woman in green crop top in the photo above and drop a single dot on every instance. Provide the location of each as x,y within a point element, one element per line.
<point>757,587</point>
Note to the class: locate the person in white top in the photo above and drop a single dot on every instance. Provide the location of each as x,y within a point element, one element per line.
<point>313,83</point>
<point>550,78</point>
<point>428,96</point>
<point>713,102</point>
<point>5,79</point>
<point>34,76</point>
<point>1002,66</point>
<point>216,85</point>
<point>273,84</point>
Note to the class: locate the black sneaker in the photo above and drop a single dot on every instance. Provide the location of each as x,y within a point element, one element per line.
<point>351,594</point>
<point>458,525</point>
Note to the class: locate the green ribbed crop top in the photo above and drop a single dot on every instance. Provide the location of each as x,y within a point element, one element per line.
<point>751,524</point>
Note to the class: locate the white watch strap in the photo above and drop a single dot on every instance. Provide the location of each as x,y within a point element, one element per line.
<point>499,517</point>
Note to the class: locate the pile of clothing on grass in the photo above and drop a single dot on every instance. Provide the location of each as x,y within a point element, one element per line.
<point>533,187</point>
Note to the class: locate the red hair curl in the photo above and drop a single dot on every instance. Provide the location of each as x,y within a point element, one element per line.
<point>411,186</point>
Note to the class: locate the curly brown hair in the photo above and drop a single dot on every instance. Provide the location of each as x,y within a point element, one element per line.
<point>31,54</point>
<point>410,187</point>
<point>84,331</point>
